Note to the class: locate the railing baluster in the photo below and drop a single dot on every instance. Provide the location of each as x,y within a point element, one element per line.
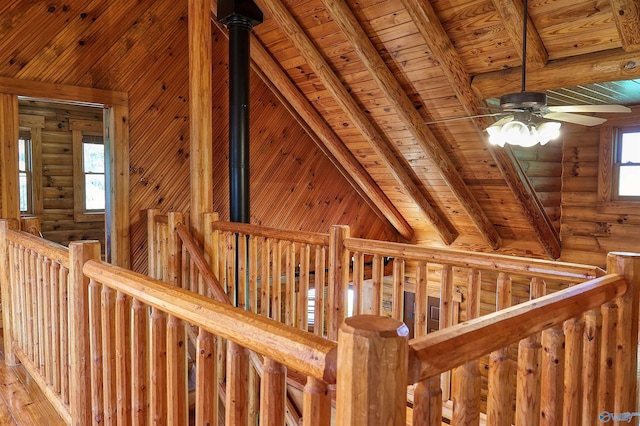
<point>572,400</point>
<point>65,360</point>
<point>272,393</point>
<point>241,272</point>
<point>591,343</point>
<point>47,320</point>
<point>377,286</point>
<point>253,274</point>
<point>316,403</point>
<point>206,380</point>
<point>177,392</point>
<point>302,302</point>
<point>551,383</point>
<point>500,393</point>
<point>359,301</point>
<point>421,299</point>
<point>607,373</point>
<point>427,403</point>
<point>466,380</point>
<point>139,354</point>
<point>447,311</point>
<point>123,358</point>
<point>397,303</point>
<point>290,284</point>
<point>265,284</point>
<point>529,372</point>
<point>56,365</point>
<point>158,367</point>
<point>39,311</point>
<point>318,283</point>
<point>276,280</point>
<point>109,354</point>
<point>96,354</point>
<point>237,384</point>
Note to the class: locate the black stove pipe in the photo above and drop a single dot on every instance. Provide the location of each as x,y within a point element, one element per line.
<point>239,17</point>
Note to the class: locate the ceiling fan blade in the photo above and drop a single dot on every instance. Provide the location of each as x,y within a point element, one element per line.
<point>583,120</point>
<point>589,108</point>
<point>464,118</point>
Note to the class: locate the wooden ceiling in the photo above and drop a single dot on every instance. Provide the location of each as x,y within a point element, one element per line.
<point>365,76</point>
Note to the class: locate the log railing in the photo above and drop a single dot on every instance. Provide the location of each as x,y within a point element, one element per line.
<point>127,360</point>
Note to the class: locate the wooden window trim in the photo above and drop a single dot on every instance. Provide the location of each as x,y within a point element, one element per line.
<point>606,201</point>
<point>34,124</point>
<point>78,129</point>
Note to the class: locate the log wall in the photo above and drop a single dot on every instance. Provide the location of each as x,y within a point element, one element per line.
<point>590,230</point>
<point>56,164</point>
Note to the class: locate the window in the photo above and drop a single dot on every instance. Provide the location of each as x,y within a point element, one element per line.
<point>89,195</point>
<point>619,170</point>
<point>93,170</point>
<point>24,174</point>
<point>626,167</point>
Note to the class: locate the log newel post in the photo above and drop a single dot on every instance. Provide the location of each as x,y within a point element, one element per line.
<point>338,278</point>
<point>372,378</point>
<point>626,354</point>
<point>5,275</point>
<point>79,348</point>
<point>316,402</point>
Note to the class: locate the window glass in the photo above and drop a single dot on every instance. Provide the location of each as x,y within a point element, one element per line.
<point>24,174</point>
<point>93,165</point>
<point>630,148</point>
<point>629,181</point>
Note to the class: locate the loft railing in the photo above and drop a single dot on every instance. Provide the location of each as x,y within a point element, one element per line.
<point>130,325</point>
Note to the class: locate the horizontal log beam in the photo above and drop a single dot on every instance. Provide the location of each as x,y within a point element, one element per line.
<point>443,350</point>
<point>600,67</point>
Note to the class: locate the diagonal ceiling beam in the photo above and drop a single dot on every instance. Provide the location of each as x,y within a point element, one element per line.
<point>301,109</point>
<point>610,65</point>
<point>512,14</point>
<point>443,50</point>
<point>626,14</point>
<point>402,105</point>
<point>332,83</point>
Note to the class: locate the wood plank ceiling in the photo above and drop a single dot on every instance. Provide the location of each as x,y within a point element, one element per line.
<point>364,77</point>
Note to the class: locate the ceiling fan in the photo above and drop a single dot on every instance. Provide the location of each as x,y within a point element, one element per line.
<point>528,120</point>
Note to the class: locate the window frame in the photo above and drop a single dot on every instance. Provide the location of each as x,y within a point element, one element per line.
<point>80,128</point>
<point>33,124</point>
<point>608,200</point>
<point>28,172</point>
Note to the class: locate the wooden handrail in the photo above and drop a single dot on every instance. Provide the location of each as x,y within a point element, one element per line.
<point>570,272</point>
<point>312,238</point>
<point>445,349</point>
<point>203,267</point>
<point>48,249</point>
<point>299,350</point>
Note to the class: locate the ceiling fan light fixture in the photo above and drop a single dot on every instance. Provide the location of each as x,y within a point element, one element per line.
<point>547,131</point>
<point>523,134</point>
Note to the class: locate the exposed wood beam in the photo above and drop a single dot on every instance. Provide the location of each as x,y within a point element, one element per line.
<point>610,65</point>
<point>330,80</point>
<point>442,48</point>
<point>512,14</point>
<point>318,129</point>
<point>200,113</point>
<point>626,14</point>
<point>400,102</point>
<point>60,92</point>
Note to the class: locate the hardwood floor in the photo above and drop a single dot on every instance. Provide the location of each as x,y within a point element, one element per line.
<point>21,401</point>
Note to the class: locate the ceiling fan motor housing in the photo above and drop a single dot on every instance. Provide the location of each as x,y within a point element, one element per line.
<point>523,100</point>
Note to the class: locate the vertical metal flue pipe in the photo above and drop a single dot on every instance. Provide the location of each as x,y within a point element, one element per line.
<point>240,17</point>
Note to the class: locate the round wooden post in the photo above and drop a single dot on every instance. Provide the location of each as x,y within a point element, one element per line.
<point>626,358</point>
<point>7,291</point>
<point>316,403</point>
<point>551,382</point>
<point>338,278</point>
<point>591,361</point>
<point>372,378</point>
<point>427,403</point>
<point>572,400</point>
<point>272,393</point>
